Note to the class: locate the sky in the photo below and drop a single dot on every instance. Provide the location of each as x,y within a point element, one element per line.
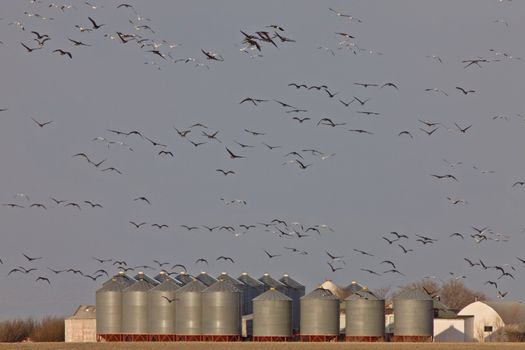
<point>370,174</point>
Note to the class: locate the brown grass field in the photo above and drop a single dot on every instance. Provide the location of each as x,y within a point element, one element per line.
<point>257,346</point>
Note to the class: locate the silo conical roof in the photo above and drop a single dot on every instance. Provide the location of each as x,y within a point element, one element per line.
<point>320,293</point>
<point>112,286</point>
<point>334,288</point>
<point>193,286</point>
<point>413,294</point>
<point>353,287</point>
<point>139,286</point>
<point>271,282</point>
<point>167,286</point>
<point>272,294</point>
<point>227,278</point>
<point>250,281</point>
<point>290,282</point>
<point>222,286</point>
<point>142,275</point>
<point>206,279</point>
<point>363,294</point>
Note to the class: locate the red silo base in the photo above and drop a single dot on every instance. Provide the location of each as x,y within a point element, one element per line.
<point>221,338</point>
<point>109,337</point>
<point>364,339</point>
<point>271,339</point>
<point>412,338</point>
<point>163,337</point>
<point>135,337</point>
<point>189,337</point>
<point>318,338</point>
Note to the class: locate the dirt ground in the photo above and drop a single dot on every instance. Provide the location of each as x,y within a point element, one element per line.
<point>256,346</point>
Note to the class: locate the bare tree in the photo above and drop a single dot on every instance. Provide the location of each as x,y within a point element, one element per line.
<point>456,295</point>
<point>453,293</point>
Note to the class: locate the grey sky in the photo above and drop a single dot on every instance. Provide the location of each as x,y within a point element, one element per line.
<point>373,184</point>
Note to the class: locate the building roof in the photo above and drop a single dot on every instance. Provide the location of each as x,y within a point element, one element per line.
<point>320,294</point>
<point>291,283</point>
<point>334,288</point>
<point>509,311</point>
<point>84,312</point>
<point>272,294</point>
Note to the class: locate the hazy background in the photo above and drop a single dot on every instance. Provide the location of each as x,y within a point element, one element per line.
<point>373,184</point>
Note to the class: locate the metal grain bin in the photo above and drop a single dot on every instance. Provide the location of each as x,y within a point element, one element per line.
<point>221,312</point>
<point>365,317</point>
<point>206,279</point>
<point>161,308</point>
<point>295,291</point>
<point>238,285</point>
<point>109,308</point>
<point>272,316</point>
<point>319,316</point>
<point>135,308</point>
<point>413,316</point>
<point>188,318</point>
<point>252,289</point>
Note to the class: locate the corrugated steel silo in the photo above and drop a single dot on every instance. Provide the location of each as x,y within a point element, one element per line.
<point>295,291</point>
<point>109,309</point>
<point>252,289</point>
<point>238,285</point>
<point>162,310</point>
<point>365,317</point>
<point>188,318</point>
<point>272,316</point>
<point>221,312</point>
<point>319,316</point>
<point>135,310</point>
<point>206,279</point>
<point>413,317</point>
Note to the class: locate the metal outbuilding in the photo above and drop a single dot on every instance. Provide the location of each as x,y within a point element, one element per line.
<point>82,326</point>
<point>365,317</point>
<point>319,316</point>
<point>413,317</point>
<point>188,317</point>
<point>489,317</point>
<point>221,312</point>
<point>272,317</point>
<point>162,310</point>
<point>295,291</point>
<point>135,310</point>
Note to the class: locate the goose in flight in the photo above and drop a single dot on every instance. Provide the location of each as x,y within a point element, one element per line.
<point>41,124</point>
<point>63,53</point>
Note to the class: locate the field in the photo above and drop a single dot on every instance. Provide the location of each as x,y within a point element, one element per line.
<point>256,346</point>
